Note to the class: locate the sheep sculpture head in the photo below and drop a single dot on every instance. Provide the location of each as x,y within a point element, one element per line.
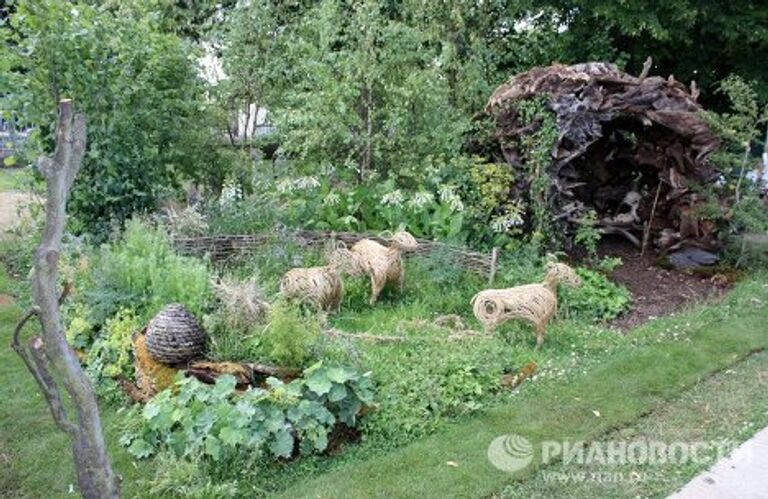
<point>561,273</point>
<point>404,241</point>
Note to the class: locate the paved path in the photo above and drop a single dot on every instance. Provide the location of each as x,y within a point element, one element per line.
<point>742,475</point>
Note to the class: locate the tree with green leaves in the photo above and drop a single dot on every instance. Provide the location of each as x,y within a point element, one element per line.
<point>702,41</point>
<point>362,93</point>
<point>138,85</point>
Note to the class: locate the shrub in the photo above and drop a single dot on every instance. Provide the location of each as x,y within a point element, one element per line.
<point>142,272</point>
<point>111,351</point>
<point>217,422</point>
<point>290,335</point>
<point>597,299</point>
<point>136,83</point>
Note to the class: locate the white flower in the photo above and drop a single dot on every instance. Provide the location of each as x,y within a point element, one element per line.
<point>449,196</point>
<point>503,223</point>
<point>348,220</point>
<point>284,186</point>
<point>332,199</point>
<point>306,183</point>
<point>421,199</point>
<point>394,198</point>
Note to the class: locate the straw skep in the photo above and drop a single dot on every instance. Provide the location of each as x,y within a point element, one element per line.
<point>174,336</point>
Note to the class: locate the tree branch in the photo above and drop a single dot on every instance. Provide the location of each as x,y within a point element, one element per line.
<point>49,386</point>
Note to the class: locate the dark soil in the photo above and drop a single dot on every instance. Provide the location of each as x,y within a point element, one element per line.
<point>657,292</point>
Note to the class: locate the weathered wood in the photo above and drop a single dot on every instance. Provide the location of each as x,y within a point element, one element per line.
<point>51,353</point>
<point>222,247</point>
<point>620,139</point>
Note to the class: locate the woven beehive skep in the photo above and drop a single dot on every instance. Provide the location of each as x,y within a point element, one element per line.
<point>174,336</point>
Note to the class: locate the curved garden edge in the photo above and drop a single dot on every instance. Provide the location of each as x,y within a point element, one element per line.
<point>629,384</point>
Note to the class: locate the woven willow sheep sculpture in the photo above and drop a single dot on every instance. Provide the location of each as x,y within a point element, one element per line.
<point>383,264</point>
<point>174,336</point>
<point>533,303</point>
<point>321,287</point>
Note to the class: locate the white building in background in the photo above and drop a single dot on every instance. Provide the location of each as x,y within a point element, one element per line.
<point>252,121</point>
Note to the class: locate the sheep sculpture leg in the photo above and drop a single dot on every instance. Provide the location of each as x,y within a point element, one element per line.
<point>540,330</point>
<point>377,286</point>
<point>383,264</point>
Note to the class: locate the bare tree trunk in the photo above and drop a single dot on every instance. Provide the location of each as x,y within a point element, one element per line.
<point>51,353</point>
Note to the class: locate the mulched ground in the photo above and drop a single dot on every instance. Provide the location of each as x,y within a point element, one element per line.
<point>656,292</point>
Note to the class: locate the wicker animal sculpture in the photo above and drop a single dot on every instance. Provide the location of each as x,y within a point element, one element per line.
<point>174,336</point>
<point>383,264</point>
<point>533,303</point>
<point>321,287</point>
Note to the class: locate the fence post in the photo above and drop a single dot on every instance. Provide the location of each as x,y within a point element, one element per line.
<point>494,263</point>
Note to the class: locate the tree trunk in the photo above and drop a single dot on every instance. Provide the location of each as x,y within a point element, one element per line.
<point>51,353</point>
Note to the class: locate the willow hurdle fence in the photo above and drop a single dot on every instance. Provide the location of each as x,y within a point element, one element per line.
<point>220,248</point>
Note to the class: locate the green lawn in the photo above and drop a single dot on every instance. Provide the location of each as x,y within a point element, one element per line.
<point>732,405</point>
<point>35,459</point>
<point>14,179</point>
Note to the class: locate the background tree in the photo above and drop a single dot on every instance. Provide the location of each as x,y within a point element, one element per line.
<point>140,88</point>
<point>362,92</point>
<point>702,41</point>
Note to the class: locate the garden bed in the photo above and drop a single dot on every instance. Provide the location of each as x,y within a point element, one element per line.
<point>656,291</point>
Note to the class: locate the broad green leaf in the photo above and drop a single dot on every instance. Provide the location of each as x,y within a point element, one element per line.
<point>282,444</point>
<point>231,436</point>
<point>140,448</point>
<point>225,386</point>
<point>340,374</point>
<point>337,393</point>
<point>213,447</point>
<point>319,383</point>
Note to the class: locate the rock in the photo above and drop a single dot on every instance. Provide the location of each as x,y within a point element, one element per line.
<point>691,258</point>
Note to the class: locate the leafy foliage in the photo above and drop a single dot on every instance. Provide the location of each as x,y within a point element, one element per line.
<point>143,272</point>
<point>597,299</point>
<point>289,336</point>
<point>135,83</point>
<point>215,421</point>
<point>111,351</point>
<point>692,40</point>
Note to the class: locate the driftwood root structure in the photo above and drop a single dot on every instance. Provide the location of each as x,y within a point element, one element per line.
<point>631,148</point>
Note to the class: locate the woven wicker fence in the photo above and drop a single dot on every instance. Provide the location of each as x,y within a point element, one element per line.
<point>223,247</point>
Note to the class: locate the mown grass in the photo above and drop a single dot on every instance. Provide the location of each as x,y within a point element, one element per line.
<point>628,383</point>
<point>35,457</point>
<point>14,179</point>
<point>731,406</point>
